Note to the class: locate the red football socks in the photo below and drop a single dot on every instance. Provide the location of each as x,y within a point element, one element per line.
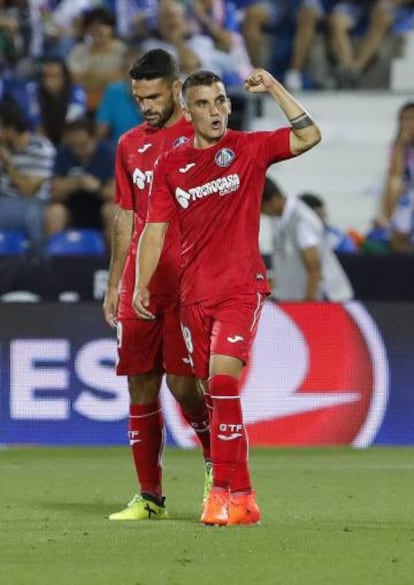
<point>146,438</point>
<point>199,421</point>
<point>228,436</point>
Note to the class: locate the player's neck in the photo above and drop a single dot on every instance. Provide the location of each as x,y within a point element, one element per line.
<point>203,142</point>
<point>175,116</point>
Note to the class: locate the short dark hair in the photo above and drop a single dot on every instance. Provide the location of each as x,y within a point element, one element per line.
<point>405,107</point>
<point>198,78</point>
<point>12,116</point>
<point>313,201</point>
<point>271,190</point>
<point>100,15</point>
<point>84,123</point>
<point>155,64</point>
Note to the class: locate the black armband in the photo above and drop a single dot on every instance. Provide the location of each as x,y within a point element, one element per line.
<point>301,122</point>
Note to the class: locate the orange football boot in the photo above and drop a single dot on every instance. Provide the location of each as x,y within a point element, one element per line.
<point>216,508</point>
<point>243,509</point>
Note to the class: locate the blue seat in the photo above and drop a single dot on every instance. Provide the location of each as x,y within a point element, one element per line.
<point>76,242</point>
<point>12,242</point>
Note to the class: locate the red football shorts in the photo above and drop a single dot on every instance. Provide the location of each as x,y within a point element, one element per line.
<point>158,345</point>
<point>227,327</point>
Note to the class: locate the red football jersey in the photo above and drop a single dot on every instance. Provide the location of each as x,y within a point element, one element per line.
<point>218,192</point>
<point>136,154</point>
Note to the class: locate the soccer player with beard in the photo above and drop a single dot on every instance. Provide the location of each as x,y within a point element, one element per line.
<point>147,349</point>
<point>214,183</point>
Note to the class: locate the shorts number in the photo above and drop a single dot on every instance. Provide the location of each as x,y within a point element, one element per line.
<point>187,338</point>
<point>119,334</point>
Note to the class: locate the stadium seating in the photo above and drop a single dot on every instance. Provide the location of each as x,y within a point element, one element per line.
<point>75,242</point>
<point>12,242</point>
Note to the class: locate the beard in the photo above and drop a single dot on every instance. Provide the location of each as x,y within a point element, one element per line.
<point>165,115</point>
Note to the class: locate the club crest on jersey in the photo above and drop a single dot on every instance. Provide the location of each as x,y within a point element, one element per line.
<point>179,141</point>
<point>224,157</point>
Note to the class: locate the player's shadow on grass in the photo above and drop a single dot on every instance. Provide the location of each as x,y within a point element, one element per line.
<point>85,508</point>
<point>96,510</point>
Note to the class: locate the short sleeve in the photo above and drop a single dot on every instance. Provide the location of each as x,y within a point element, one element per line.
<point>161,206</point>
<point>272,147</point>
<point>307,236</point>
<point>124,196</point>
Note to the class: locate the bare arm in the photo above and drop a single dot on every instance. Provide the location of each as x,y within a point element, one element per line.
<point>394,181</point>
<point>312,264</point>
<point>27,185</point>
<point>305,133</point>
<point>148,255</point>
<point>62,187</point>
<point>121,240</point>
<point>221,36</point>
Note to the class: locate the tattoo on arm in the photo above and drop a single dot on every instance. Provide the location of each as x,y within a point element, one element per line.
<point>301,122</point>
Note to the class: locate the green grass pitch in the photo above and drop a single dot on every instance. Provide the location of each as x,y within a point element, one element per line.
<point>330,517</point>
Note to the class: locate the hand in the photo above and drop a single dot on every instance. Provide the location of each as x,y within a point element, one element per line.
<point>90,183</point>
<point>110,306</point>
<point>140,302</point>
<point>259,81</point>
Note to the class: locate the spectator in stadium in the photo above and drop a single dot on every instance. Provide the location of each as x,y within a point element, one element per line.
<point>26,163</point>
<point>50,100</point>
<point>216,20</point>
<point>9,28</point>
<point>256,17</point>
<point>62,25</point>
<point>21,34</point>
<point>118,110</point>
<point>268,28</point>
<point>173,34</point>
<point>400,176</point>
<point>371,19</point>
<point>393,221</point>
<point>147,350</point>
<point>213,184</point>
<point>304,266</point>
<point>310,15</point>
<point>83,184</point>
<point>398,197</point>
<point>135,19</point>
<point>338,240</point>
<point>189,41</point>
<point>98,58</point>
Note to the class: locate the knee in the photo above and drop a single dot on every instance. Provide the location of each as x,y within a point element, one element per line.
<point>182,387</point>
<point>307,18</point>
<point>339,23</point>
<point>380,20</point>
<point>256,16</point>
<point>144,388</point>
<point>56,218</point>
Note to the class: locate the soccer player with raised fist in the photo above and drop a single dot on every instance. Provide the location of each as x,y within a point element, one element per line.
<point>214,184</point>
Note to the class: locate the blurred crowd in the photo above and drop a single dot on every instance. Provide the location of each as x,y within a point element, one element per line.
<point>65,94</point>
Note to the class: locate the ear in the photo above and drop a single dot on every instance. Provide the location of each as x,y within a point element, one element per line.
<point>176,89</point>
<point>229,105</point>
